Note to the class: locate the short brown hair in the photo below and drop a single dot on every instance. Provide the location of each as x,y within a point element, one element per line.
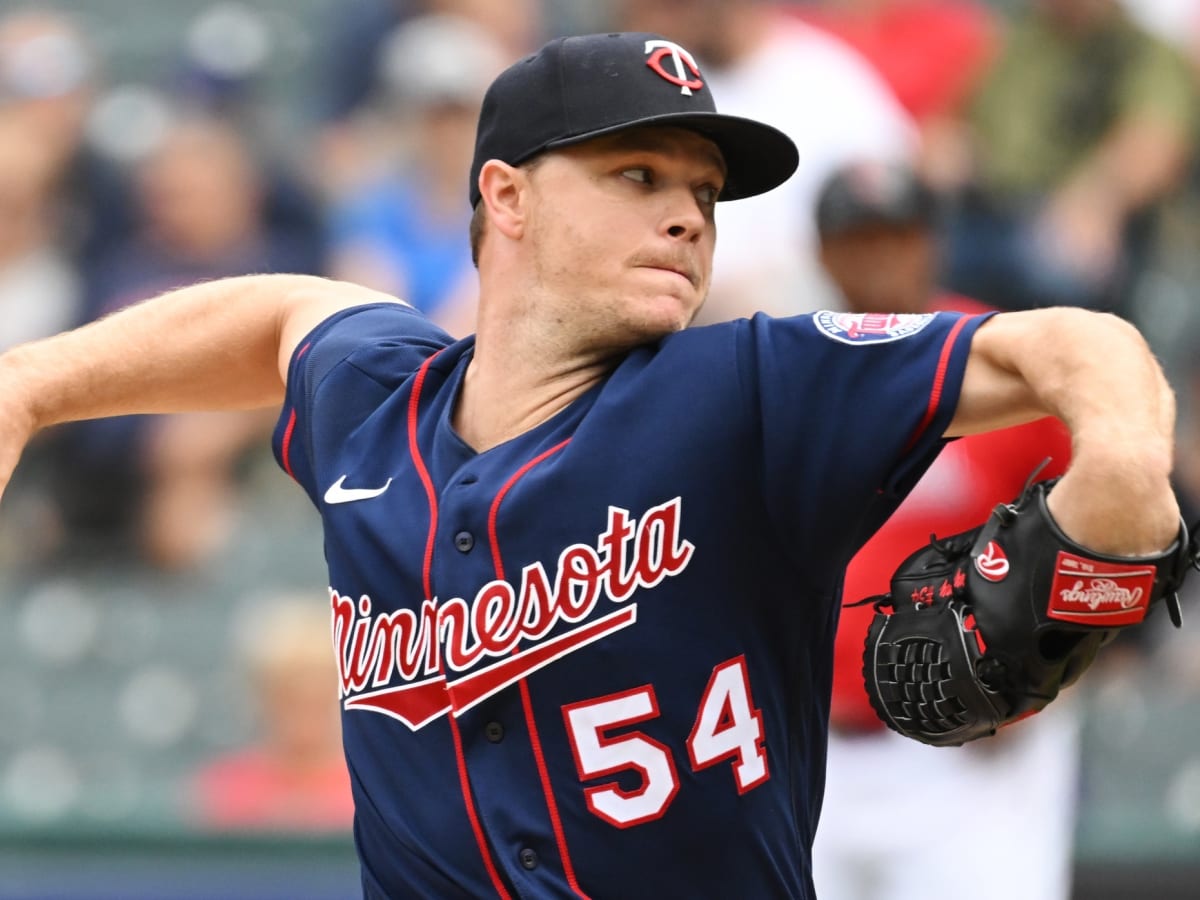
<point>475,230</point>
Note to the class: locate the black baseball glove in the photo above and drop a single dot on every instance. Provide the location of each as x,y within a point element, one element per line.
<point>985,627</point>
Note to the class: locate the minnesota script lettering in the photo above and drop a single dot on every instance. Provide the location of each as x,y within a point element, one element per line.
<point>424,649</point>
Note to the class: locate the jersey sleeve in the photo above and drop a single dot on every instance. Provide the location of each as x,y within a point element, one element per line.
<point>852,411</point>
<point>340,372</point>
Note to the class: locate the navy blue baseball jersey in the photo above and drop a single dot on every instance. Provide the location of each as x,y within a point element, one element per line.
<point>594,661</point>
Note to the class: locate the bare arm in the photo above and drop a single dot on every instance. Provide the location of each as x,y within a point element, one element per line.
<point>222,344</point>
<point>1096,373</point>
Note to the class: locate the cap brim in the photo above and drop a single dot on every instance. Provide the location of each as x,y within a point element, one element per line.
<point>758,157</point>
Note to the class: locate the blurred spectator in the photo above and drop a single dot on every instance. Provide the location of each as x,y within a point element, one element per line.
<point>39,287</point>
<point>352,34</point>
<point>293,776</point>
<point>64,206</point>
<point>764,64</point>
<point>1175,21</point>
<point>48,76</point>
<point>161,488</point>
<point>878,238</point>
<point>405,230</point>
<point>226,48</point>
<point>354,129</point>
<point>220,74</point>
<point>517,26</point>
<point>1165,304</point>
<point>355,32</point>
<point>931,53</point>
<point>201,198</point>
<point>1085,122</point>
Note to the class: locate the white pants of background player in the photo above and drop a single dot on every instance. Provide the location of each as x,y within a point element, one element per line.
<point>994,820</point>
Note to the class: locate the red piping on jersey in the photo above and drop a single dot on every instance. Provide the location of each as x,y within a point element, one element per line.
<point>939,380</point>
<point>535,740</point>
<point>465,783</point>
<point>496,561</point>
<point>285,450</point>
<point>414,403</point>
<point>287,444</point>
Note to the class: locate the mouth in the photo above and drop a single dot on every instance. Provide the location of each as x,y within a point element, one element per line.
<point>682,272</point>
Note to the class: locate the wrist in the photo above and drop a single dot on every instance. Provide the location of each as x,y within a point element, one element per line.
<point>20,405</point>
<point>1117,504</point>
<point>1127,462</point>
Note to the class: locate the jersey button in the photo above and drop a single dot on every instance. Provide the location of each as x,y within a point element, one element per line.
<point>494,732</point>
<point>528,858</point>
<point>464,541</point>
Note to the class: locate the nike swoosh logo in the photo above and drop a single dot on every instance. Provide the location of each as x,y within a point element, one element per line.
<point>339,494</point>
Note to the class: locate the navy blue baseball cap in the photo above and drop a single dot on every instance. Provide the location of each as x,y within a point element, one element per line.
<point>577,88</point>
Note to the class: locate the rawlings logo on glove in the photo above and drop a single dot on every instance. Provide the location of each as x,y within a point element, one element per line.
<point>1097,594</point>
<point>986,627</point>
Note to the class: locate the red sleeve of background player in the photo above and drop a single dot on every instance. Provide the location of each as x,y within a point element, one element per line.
<point>957,493</point>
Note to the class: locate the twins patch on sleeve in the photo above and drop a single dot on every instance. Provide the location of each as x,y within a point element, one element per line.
<point>869,328</point>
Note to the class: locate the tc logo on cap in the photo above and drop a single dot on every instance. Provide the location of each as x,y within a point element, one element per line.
<point>681,58</point>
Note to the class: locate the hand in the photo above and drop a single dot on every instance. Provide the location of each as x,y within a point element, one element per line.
<point>16,429</point>
<point>1080,231</point>
<point>18,422</point>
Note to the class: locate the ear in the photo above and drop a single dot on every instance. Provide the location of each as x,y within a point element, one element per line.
<point>502,189</point>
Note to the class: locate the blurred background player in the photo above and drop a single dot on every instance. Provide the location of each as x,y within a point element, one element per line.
<point>877,225</point>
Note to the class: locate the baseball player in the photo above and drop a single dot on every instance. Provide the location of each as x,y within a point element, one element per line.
<point>584,565</point>
<point>878,224</point>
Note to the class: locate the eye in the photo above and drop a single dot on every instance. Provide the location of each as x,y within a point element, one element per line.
<point>639,174</point>
<point>708,194</point>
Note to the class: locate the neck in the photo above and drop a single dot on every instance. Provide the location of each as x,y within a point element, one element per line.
<point>518,377</point>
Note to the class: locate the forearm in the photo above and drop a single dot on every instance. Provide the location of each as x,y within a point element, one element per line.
<point>1095,373</point>
<point>207,346</point>
<point>1092,370</point>
<point>216,345</point>
<point>221,344</point>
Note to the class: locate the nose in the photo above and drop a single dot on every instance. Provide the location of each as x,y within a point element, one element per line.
<point>685,219</point>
